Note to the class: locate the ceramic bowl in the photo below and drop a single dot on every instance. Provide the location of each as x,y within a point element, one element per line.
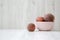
<point>44,25</point>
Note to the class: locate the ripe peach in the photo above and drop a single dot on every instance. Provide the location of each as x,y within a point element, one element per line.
<point>31,27</point>
<point>39,19</point>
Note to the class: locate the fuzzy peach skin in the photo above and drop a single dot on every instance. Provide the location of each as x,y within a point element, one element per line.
<point>39,19</point>
<point>31,27</point>
<point>49,17</point>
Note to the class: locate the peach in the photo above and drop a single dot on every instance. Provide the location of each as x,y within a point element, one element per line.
<point>31,27</point>
<point>39,19</point>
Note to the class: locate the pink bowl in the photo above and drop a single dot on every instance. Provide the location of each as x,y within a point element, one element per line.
<point>44,25</point>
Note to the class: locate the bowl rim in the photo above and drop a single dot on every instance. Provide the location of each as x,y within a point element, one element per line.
<point>44,22</point>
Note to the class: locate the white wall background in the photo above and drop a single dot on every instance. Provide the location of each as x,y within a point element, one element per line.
<point>57,14</point>
<point>16,14</point>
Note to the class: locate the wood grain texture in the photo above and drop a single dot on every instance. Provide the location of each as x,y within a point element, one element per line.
<point>16,14</point>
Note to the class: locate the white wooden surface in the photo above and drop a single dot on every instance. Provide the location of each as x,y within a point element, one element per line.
<point>25,35</point>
